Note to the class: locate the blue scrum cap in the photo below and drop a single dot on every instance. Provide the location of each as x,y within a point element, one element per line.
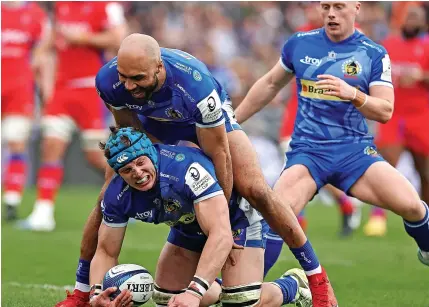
<point>122,153</point>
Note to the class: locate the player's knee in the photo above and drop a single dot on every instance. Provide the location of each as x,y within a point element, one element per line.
<point>92,137</point>
<point>257,193</point>
<point>15,129</point>
<point>161,296</point>
<point>243,295</point>
<point>413,210</point>
<point>58,127</point>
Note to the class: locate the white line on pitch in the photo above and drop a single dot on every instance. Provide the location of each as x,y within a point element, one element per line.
<point>40,286</point>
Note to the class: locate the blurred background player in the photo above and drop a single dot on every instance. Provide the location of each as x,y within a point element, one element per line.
<point>347,210</point>
<point>83,31</point>
<point>22,27</point>
<point>409,127</point>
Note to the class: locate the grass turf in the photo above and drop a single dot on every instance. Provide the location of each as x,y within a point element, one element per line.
<point>364,271</point>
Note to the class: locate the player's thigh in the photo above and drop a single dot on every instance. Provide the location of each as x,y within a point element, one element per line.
<point>248,177</point>
<point>57,122</point>
<point>176,267</point>
<point>297,185</point>
<point>91,117</point>
<point>248,263</point>
<point>382,185</point>
<point>242,278</point>
<point>248,268</point>
<point>18,99</point>
<point>17,111</point>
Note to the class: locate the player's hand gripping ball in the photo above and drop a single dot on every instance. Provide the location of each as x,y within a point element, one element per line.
<point>132,277</point>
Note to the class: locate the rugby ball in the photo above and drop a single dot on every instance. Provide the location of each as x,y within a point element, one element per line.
<point>132,277</point>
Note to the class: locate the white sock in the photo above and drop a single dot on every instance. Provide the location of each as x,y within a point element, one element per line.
<point>317,270</point>
<point>82,287</point>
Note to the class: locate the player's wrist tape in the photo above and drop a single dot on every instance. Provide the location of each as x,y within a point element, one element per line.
<point>360,99</point>
<point>198,287</point>
<point>95,290</point>
<point>354,96</point>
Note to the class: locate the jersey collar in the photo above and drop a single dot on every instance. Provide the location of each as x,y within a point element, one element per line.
<point>348,39</point>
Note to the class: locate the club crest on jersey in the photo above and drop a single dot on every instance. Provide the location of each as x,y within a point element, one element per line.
<point>180,157</point>
<point>171,205</point>
<point>197,76</point>
<point>236,233</point>
<point>351,68</point>
<point>187,218</point>
<point>370,151</point>
<point>175,114</point>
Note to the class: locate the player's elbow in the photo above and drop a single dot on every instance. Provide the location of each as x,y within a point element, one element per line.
<point>273,85</point>
<point>387,114</point>
<point>385,118</point>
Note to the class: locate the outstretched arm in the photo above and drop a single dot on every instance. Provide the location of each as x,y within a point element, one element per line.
<point>106,256</point>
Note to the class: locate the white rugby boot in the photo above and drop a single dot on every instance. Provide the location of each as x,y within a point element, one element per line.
<point>41,219</point>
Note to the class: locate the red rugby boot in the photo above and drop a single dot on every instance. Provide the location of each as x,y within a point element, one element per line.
<point>75,299</point>
<point>321,290</point>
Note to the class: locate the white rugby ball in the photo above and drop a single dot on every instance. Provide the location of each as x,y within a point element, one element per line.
<point>132,277</point>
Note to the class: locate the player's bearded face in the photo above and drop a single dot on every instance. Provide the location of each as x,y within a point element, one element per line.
<point>145,91</point>
<point>140,174</point>
<point>413,25</point>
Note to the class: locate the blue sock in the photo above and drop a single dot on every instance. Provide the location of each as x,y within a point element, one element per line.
<point>82,275</point>
<point>307,258</point>
<point>420,230</point>
<point>272,250</point>
<point>289,287</point>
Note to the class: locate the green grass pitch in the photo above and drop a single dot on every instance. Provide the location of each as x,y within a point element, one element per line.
<point>364,271</point>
